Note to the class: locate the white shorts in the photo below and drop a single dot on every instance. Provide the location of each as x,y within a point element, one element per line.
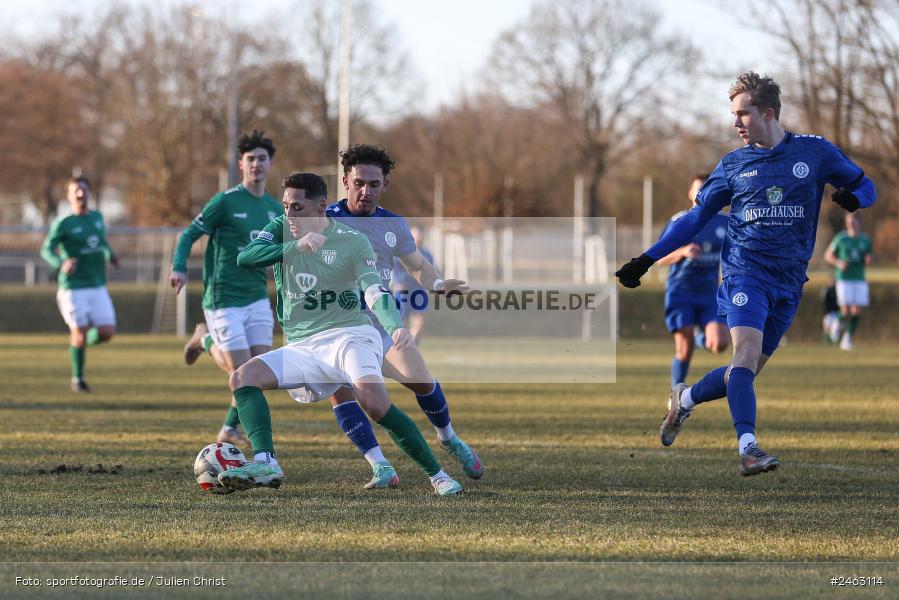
<point>241,327</point>
<point>86,306</point>
<point>316,367</point>
<point>852,292</point>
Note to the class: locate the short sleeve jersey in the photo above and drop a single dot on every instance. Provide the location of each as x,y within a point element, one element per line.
<point>775,199</point>
<point>699,276</point>
<point>387,232</point>
<point>853,250</point>
<point>82,237</point>
<point>320,290</point>
<point>231,219</point>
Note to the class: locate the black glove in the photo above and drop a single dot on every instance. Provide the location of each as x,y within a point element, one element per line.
<point>629,275</point>
<point>845,199</point>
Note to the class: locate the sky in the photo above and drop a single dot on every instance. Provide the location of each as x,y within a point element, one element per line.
<point>450,42</point>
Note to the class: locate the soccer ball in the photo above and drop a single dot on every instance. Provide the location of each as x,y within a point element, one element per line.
<point>212,460</point>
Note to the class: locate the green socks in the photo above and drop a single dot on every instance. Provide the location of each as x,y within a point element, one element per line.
<point>409,439</point>
<point>232,419</point>
<point>77,356</point>
<point>853,324</point>
<point>207,343</point>
<point>92,337</point>
<point>253,411</point>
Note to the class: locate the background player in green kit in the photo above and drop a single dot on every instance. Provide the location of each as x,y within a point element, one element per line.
<point>320,270</point>
<point>239,319</point>
<point>76,247</point>
<point>849,252</point>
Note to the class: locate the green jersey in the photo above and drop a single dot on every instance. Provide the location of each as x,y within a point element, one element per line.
<point>853,250</point>
<point>231,219</point>
<point>320,290</point>
<point>82,237</point>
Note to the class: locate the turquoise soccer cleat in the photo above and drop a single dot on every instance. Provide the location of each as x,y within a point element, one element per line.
<point>251,475</point>
<point>384,477</point>
<point>467,457</point>
<point>447,486</point>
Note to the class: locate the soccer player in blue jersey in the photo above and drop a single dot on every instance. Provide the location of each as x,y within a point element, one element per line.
<point>365,169</point>
<point>690,289</point>
<point>774,185</point>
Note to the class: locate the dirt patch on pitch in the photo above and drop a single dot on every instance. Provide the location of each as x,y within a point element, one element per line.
<point>97,469</point>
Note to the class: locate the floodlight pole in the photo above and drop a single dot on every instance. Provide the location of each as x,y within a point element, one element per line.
<point>343,116</point>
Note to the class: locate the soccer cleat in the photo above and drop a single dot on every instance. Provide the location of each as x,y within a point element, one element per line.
<point>466,456</point>
<point>676,416</point>
<point>755,460</point>
<point>251,475</point>
<point>232,435</point>
<point>846,343</point>
<point>79,385</point>
<point>194,346</point>
<point>384,477</point>
<point>447,486</point>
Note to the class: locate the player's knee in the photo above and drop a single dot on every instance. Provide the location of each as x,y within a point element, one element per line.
<point>77,339</point>
<point>372,396</point>
<point>241,377</point>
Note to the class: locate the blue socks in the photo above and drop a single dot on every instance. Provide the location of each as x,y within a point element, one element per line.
<point>679,370</point>
<point>741,399</point>
<point>710,387</point>
<point>434,406</point>
<point>355,425</point>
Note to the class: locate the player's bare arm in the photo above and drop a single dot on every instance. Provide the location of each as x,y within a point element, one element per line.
<point>427,274</point>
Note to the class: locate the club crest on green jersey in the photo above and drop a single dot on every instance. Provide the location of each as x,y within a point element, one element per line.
<point>329,256</point>
<point>775,195</point>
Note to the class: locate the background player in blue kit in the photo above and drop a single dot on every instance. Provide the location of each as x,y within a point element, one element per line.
<point>365,169</point>
<point>690,289</point>
<point>774,185</point>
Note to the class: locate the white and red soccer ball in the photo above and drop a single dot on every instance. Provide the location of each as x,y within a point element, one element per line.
<point>214,459</point>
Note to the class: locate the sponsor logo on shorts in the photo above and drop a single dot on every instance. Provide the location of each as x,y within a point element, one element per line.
<point>390,238</point>
<point>329,256</point>
<point>800,170</point>
<point>740,299</point>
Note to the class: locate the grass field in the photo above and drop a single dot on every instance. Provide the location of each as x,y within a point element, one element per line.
<point>573,473</point>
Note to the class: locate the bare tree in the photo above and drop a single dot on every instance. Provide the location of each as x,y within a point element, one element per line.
<point>844,57</point>
<point>602,67</point>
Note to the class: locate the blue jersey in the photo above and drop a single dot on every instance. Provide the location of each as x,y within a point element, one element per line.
<point>388,233</point>
<point>698,276</point>
<point>775,199</point>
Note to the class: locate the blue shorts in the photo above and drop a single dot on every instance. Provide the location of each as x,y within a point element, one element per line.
<point>748,302</point>
<point>386,340</point>
<point>687,311</point>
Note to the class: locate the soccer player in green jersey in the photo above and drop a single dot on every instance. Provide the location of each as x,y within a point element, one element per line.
<point>76,247</point>
<point>321,266</point>
<point>849,252</point>
<point>239,319</point>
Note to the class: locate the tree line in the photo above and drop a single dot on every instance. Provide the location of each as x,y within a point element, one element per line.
<point>137,99</point>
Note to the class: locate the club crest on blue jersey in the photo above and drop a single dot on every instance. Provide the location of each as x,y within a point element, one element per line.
<point>775,195</point>
<point>329,256</point>
<point>800,170</point>
<point>740,299</point>
<point>390,238</point>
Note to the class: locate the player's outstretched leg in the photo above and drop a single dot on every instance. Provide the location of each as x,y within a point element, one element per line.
<point>195,346</point>
<point>77,355</point>
<point>252,406</point>
<point>434,406</point>
<point>358,429</point>
<point>229,431</point>
<point>409,439</point>
<point>682,399</point>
